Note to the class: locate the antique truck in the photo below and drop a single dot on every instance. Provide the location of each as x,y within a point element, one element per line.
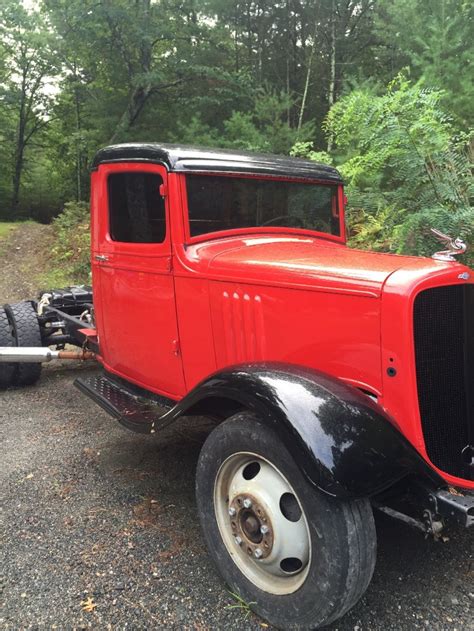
<point>337,380</point>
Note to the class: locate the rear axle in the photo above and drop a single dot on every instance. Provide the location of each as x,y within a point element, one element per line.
<point>30,355</point>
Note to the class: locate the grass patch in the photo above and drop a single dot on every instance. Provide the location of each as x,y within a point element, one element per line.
<point>241,605</point>
<point>65,250</point>
<point>61,278</point>
<point>6,228</point>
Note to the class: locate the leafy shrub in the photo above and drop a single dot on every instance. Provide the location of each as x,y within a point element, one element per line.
<point>377,231</point>
<point>305,150</point>
<point>415,233</point>
<point>71,248</point>
<point>405,167</point>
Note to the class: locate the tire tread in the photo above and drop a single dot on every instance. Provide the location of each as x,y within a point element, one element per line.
<point>7,371</point>
<point>363,555</point>
<point>24,321</point>
<point>352,523</point>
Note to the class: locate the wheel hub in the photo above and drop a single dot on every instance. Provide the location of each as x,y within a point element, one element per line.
<point>251,526</point>
<point>262,523</point>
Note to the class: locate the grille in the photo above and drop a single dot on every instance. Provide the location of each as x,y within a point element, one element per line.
<point>444,352</point>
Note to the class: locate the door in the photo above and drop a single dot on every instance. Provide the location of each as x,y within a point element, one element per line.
<point>133,282</point>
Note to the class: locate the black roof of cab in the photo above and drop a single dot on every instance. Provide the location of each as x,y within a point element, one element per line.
<point>188,159</point>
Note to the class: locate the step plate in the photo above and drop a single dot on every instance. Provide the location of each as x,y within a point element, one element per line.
<point>136,413</point>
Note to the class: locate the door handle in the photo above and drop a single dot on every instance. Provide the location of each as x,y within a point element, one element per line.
<point>101,257</point>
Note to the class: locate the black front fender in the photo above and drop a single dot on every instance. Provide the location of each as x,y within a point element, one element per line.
<point>342,441</point>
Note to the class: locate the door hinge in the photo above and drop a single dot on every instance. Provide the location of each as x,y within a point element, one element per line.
<point>175,347</point>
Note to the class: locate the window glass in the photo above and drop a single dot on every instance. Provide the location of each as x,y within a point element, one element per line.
<point>226,203</point>
<point>136,208</point>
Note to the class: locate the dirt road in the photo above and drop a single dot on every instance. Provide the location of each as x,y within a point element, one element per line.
<point>99,526</point>
<point>22,260</point>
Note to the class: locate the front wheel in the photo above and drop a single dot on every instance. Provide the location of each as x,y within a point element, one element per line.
<point>300,558</point>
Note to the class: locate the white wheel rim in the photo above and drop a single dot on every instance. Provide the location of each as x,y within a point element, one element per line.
<point>262,523</point>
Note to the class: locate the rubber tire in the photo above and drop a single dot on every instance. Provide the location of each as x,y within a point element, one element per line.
<point>7,371</point>
<point>26,331</point>
<point>342,533</point>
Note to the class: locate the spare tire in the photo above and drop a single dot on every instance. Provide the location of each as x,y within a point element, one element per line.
<point>7,371</point>
<point>26,332</point>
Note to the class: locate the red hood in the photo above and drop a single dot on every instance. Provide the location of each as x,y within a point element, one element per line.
<point>306,262</point>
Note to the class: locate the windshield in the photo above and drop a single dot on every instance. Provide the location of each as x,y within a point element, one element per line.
<point>218,203</point>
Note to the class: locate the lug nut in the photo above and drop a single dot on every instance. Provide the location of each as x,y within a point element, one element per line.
<point>238,540</point>
<point>247,503</point>
<point>264,529</point>
<point>232,511</point>
<point>258,553</point>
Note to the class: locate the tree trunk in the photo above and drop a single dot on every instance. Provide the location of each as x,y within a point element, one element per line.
<point>260,41</point>
<point>19,148</point>
<point>288,93</point>
<point>17,173</point>
<point>236,41</point>
<point>288,42</point>
<point>332,71</point>
<point>249,35</point>
<point>308,77</point>
<point>136,103</point>
<point>78,144</point>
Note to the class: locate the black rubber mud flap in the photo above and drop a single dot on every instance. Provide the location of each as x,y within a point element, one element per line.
<point>7,371</point>
<point>26,332</point>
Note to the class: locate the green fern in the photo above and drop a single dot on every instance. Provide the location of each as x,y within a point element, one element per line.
<point>406,168</point>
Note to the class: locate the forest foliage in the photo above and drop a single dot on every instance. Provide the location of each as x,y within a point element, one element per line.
<point>382,89</point>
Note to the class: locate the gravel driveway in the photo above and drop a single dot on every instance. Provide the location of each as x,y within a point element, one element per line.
<point>99,530</point>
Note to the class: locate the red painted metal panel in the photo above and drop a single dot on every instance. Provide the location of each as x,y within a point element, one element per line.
<point>135,294</point>
<point>195,329</point>
<point>337,334</point>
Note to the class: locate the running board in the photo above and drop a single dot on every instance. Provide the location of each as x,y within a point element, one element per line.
<point>134,412</point>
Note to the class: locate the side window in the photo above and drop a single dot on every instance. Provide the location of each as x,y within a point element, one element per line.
<point>136,208</point>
